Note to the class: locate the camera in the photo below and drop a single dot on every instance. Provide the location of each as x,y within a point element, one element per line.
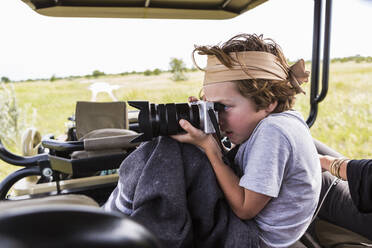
<point>162,119</point>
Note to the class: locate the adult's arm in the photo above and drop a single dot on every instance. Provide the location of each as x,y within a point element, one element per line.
<point>359,175</point>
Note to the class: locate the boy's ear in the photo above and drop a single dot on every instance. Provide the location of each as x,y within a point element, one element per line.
<point>271,107</point>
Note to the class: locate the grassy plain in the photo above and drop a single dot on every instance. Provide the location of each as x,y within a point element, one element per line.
<point>344,120</point>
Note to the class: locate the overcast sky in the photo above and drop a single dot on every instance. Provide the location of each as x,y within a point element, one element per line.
<point>36,46</point>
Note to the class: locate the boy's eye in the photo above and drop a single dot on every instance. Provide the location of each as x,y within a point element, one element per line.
<point>226,107</point>
<point>219,106</point>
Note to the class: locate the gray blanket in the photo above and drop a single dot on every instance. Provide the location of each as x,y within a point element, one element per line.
<point>171,189</point>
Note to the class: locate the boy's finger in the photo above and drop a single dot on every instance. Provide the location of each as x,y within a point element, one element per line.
<point>187,126</point>
<point>184,124</point>
<point>192,99</point>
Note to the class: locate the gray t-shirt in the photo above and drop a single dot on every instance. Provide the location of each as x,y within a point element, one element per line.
<point>280,160</point>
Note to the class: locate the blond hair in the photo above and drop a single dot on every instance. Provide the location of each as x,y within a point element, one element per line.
<point>262,91</point>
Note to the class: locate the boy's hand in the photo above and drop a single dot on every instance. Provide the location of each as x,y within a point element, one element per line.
<point>192,99</point>
<point>195,136</point>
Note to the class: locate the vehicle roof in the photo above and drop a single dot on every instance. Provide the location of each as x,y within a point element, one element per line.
<point>162,9</point>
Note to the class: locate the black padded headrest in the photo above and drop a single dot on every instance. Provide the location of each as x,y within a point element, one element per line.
<point>71,226</point>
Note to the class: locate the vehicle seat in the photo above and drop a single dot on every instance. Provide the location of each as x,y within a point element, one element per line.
<point>85,166</point>
<point>99,125</point>
<point>106,141</point>
<point>102,127</point>
<point>91,116</point>
<point>68,221</point>
<point>330,235</point>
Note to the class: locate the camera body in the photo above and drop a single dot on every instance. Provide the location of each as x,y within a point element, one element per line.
<point>206,124</point>
<point>162,119</point>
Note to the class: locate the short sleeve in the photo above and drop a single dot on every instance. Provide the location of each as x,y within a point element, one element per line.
<point>264,161</point>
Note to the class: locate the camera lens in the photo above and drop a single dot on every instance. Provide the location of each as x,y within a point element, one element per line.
<point>171,113</point>
<point>162,119</point>
<point>163,124</point>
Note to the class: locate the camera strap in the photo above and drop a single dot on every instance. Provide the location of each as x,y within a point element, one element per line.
<point>214,121</point>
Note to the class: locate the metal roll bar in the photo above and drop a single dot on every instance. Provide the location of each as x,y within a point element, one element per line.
<point>11,179</point>
<point>13,159</point>
<point>316,98</point>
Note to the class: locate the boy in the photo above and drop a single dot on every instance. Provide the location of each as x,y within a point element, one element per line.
<point>280,178</point>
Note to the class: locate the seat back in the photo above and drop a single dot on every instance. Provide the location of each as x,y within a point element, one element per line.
<point>91,116</point>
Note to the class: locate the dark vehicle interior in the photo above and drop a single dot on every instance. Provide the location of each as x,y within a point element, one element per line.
<point>80,167</point>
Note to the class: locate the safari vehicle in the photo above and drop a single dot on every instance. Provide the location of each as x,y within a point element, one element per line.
<point>59,173</point>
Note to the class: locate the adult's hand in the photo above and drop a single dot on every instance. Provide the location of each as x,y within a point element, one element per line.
<point>325,162</point>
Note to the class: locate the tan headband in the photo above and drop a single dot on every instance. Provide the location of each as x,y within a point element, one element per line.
<point>255,65</point>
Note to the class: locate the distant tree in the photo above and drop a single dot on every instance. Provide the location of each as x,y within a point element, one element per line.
<point>356,58</point>
<point>5,80</point>
<point>147,73</point>
<point>53,78</point>
<point>97,73</point>
<point>156,71</point>
<point>178,68</point>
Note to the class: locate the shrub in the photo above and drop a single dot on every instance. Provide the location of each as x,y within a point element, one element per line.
<point>13,121</point>
<point>156,71</point>
<point>5,80</point>
<point>97,73</point>
<point>147,73</point>
<point>177,67</point>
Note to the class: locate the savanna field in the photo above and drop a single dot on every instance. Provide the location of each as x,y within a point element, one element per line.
<point>344,120</point>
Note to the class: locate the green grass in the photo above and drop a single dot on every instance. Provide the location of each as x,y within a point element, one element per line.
<point>344,120</point>
<point>345,116</point>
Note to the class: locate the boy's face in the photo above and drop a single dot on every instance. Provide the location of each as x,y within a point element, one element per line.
<point>240,117</point>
